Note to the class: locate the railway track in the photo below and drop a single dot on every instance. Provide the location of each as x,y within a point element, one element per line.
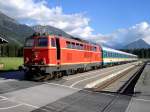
<point>125,91</point>
<point>127,85</point>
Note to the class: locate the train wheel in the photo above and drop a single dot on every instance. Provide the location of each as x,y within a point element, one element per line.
<point>38,77</point>
<point>83,70</point>
<point>58,75</point>
<point>61,74</point>
<point>51,76</point>
<point>47,77</point>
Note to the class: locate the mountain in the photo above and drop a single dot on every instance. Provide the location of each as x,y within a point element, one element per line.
<point>13,31</point>
<point>16,33</point>
<point>106,45</point>
<point>138,44</point>
<point>50,29</point>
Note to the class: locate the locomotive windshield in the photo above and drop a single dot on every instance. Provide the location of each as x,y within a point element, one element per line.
<point>42,42</point>
<point>29,43</point>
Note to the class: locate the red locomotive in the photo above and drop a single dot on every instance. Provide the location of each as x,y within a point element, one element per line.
<point>52,56</point>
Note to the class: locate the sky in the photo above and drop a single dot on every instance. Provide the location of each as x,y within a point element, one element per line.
<point>113,22</point>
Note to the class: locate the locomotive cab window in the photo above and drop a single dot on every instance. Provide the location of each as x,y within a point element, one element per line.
<point>42,42</point>
<point>29,43</point>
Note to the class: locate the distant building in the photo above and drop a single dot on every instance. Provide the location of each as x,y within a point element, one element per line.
<point>2,41</point>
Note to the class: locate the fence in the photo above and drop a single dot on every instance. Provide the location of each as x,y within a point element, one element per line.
<point>11,51</point>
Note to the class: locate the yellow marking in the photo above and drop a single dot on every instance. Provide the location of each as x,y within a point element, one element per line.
<point>71,63</point>
<point>80,50</point>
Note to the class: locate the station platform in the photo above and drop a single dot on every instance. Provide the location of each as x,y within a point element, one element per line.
<point>140,101</point>
<point>85,101</point>
<point>106,101</point>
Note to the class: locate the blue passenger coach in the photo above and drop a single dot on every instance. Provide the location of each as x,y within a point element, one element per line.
<point>112,56</point>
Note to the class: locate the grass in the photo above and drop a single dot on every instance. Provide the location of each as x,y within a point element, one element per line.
<point>11,63</point>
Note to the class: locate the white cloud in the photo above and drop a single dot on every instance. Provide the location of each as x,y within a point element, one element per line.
<point>125,36</point>
<point>37,12</point>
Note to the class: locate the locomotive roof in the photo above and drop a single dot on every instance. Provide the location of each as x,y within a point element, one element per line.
<point>59,35</point>
<point>116,51</point>
<point>82,40</point>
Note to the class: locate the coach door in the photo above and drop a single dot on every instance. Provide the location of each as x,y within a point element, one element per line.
<point>58,49</point>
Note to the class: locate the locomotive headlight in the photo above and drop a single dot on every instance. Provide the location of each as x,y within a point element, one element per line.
<point>26,60</point>
<point>43,61</point>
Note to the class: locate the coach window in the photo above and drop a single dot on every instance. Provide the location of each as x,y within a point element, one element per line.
<point>68,44</point>
<point>53,43</point>
<point>104,54</point>
<point>95,49</point>
<point>92,49</point>
<point>73,45</point>
<point>107,54</point>
<point>77,46</point>
<point>88,48</point>
<point>84,47</point>
<point>42,42</point>
<point>81,47</point>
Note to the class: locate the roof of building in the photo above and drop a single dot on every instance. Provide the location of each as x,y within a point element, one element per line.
<point>2,40</point>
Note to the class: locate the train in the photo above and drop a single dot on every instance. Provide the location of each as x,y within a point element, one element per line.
<point>49,56</point>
